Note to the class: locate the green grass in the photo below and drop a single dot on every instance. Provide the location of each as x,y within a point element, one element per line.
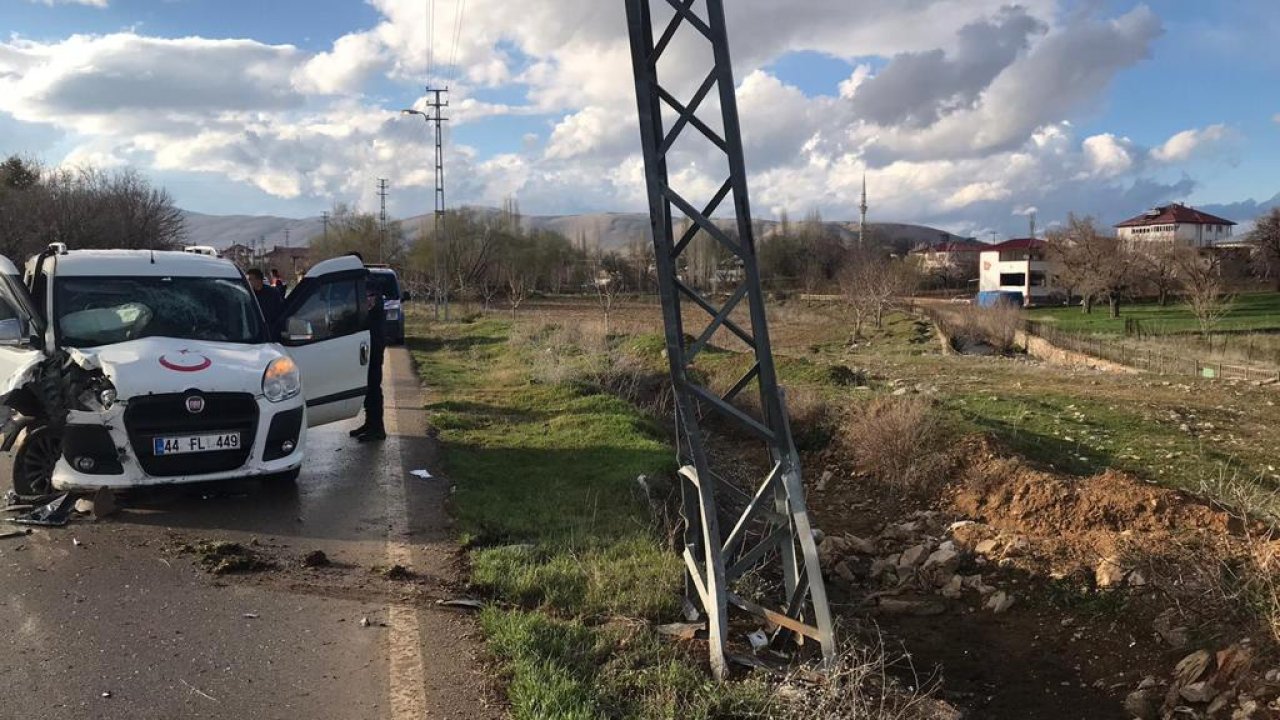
<point>1251,312</point>
<point>560,534</point>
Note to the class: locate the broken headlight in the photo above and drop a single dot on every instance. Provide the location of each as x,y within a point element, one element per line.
<point>281,381</point>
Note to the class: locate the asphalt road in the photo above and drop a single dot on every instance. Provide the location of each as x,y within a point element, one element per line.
<point>113,619</point>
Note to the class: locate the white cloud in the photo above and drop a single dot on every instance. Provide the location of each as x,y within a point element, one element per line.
<point>957,126</point>
<point>1108,155</point>
<point>1184,145</point>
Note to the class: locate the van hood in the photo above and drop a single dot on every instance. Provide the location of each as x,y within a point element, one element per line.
<point>155,366</point>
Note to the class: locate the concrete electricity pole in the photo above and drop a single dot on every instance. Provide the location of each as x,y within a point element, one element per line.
<point>382,220</point>
<point>436,119</point>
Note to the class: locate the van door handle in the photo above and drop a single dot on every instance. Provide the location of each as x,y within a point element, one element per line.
<point>364,354</point>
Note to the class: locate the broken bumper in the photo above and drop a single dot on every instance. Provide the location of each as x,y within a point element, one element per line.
<point>123,456</point>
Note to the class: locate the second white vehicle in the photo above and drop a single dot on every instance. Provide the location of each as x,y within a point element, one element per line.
<point>134,368</point>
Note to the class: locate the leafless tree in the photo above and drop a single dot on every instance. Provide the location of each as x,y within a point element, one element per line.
<point>1093,265</point>
<point>872,283</point>
<point>1202,286</point>
<point>1157,269</point>
<point>1265,239</point>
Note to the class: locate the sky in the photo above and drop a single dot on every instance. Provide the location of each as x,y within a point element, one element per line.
<point>962,114</point>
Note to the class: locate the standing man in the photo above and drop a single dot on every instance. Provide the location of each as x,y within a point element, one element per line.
<point>278,282</point>
<point>269,299</point>
<point>373,429</point>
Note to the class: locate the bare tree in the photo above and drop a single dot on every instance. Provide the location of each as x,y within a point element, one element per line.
<point>1265,239</point>
<point>1202,286</point>
<point>1157,269</point>
<point>608,285</point>
<point>1096,266</point>
<point>872,284</point>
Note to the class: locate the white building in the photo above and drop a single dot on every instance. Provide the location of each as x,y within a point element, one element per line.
<point>1019,266</point>
<point>1176,223</point>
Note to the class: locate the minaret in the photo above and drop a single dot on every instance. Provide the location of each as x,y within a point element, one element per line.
<point>862,224</point>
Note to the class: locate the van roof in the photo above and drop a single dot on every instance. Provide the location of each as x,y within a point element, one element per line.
<point>143,263</point>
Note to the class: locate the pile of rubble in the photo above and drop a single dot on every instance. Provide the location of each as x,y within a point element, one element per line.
<point>1209,685</point>
<point>929,556</point>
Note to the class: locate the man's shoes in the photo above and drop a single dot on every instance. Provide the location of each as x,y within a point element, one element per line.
<point>372,436</point>
<point>358,431</point>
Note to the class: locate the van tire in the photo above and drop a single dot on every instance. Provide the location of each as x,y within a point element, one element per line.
<point>34,457</point>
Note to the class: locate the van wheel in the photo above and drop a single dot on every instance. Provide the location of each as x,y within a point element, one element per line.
<point>33,462</point>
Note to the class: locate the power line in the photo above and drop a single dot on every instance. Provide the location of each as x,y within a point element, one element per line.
<point>431,39</point>
<point>459,20</point>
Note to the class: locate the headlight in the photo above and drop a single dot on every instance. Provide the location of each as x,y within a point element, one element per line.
<point>107,396</point>
<point>281,381</point>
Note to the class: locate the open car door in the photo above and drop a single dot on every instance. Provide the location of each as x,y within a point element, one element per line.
<point>21,331</point>
<point>325,329</point>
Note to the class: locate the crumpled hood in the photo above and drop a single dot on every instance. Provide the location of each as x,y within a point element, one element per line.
<point>153,366</point>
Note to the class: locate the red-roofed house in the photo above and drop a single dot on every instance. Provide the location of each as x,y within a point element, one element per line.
<point>950,259</point>
<point>1176,223</point>
<point>1020,266</point>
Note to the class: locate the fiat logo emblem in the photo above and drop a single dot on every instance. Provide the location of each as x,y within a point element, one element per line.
<point>195,404</point>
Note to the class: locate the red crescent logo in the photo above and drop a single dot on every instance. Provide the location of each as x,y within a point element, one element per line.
<point>204,363</point>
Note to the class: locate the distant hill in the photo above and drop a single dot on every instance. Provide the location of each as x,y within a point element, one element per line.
<point>611,231</point>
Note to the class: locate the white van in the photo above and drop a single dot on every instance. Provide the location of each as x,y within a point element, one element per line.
<point>128,368</point>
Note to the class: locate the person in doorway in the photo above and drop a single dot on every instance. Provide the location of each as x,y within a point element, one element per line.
<point>269,299</point>
<point>373,429</point>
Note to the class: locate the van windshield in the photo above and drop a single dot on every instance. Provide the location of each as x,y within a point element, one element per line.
<point>94,311</point>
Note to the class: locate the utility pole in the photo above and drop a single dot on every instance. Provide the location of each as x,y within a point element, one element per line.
<point>382,220</point>
<point>436,119</point>
<point>324,219</point>
<point>862,224</point>
<point>286,237</point>
<point>1033,225</point>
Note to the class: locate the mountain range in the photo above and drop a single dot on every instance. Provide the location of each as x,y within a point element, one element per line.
<point>610,231</point>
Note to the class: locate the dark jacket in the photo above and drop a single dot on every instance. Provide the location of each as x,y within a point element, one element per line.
<point>378,324</point>
<point>272,307</point>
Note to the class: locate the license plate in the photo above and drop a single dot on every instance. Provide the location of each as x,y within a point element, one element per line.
<point>185,444</point>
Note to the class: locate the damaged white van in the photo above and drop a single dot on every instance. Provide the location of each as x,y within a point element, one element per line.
<point>129,368</point>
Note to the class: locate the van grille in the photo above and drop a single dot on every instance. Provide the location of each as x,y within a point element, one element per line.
<point>166,415</point>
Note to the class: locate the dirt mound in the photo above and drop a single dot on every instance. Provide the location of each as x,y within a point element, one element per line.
<point>1010,495</point>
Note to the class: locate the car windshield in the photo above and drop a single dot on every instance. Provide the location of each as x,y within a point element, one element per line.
<point>94,311</point>
<point>385,283</point>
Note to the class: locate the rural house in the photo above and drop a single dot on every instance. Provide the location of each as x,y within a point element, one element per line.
<point>952,260</point>
<point>1016,266</point>
<point>1176,223</point>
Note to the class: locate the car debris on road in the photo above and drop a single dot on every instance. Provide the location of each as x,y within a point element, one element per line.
<point>55,514</point>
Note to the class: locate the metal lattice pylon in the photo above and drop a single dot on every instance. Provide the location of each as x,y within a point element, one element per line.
<point>774,526</point>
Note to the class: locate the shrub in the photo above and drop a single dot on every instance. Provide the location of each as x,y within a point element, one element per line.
<point>899,442</point>
<point>972,325</point>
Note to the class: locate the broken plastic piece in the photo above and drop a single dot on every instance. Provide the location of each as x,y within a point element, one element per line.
<point>462,603</point>
<point>420,474</point>
<point>55,514</point>
<point>758,640</point>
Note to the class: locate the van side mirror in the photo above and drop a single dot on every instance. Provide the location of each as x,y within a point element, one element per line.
<point>299,330</point>
<point>13,332</point>
<point>406,296</point>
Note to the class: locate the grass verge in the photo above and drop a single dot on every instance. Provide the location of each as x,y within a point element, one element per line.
<point>561,536</point>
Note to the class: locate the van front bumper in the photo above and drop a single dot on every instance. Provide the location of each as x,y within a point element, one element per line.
<point>277,431</point>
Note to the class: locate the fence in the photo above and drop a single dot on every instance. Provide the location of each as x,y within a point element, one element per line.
<point>1117,351</point>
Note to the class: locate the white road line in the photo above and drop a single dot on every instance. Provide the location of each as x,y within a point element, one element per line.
<point>405,669</point>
